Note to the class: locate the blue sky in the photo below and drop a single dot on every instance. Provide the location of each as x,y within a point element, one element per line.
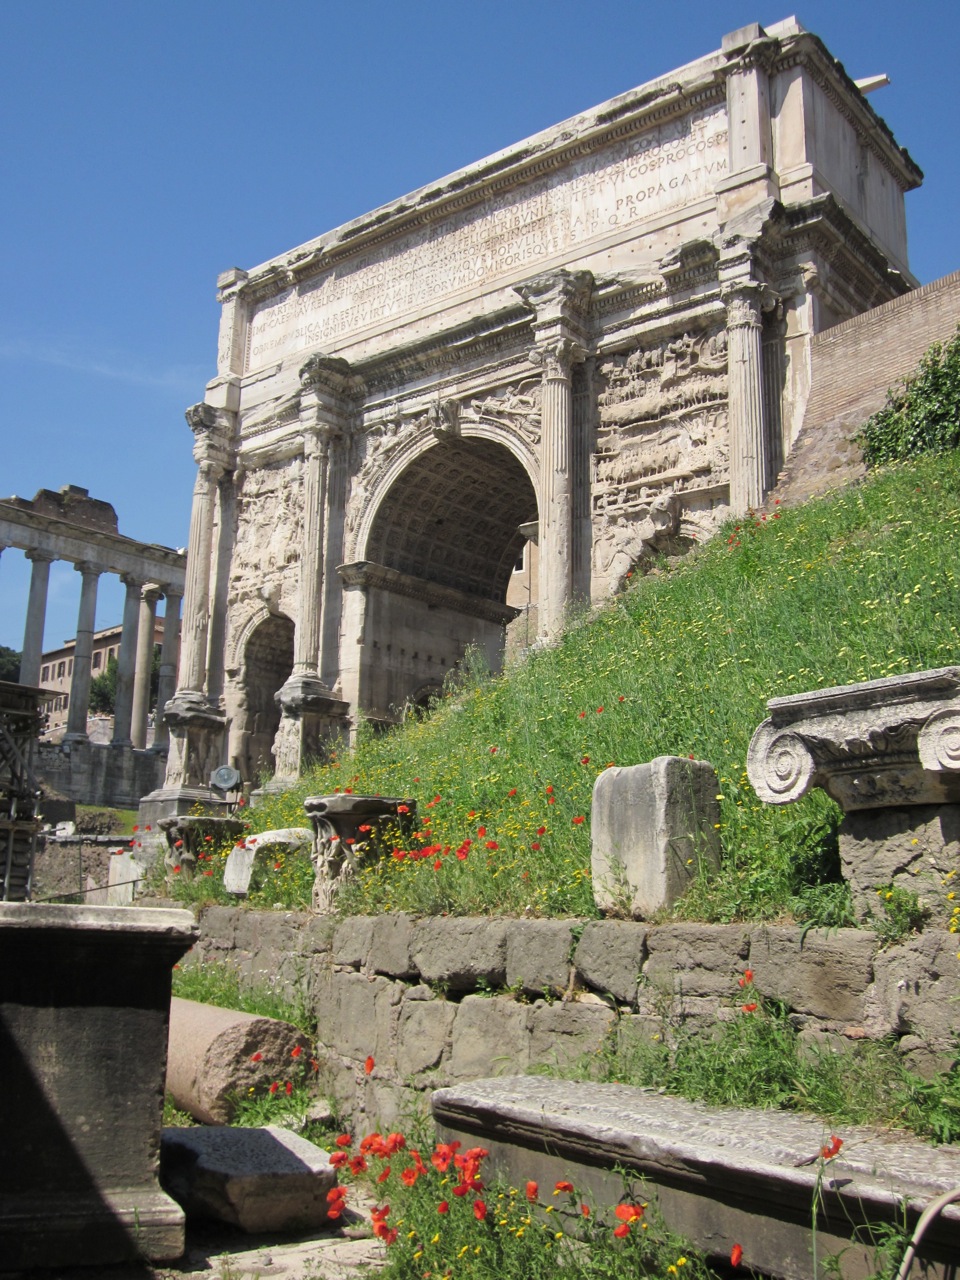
<point>148,146</point>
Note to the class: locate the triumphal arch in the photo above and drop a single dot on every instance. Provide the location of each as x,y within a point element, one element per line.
<point>589,347</point>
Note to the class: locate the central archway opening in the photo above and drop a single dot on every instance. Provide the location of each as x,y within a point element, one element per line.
<point>444,548</point>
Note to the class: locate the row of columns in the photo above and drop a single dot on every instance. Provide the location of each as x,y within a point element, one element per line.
<point>135,659</point>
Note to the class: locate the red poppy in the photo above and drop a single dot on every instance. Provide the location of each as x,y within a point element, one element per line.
<point>365,826</point>
<point>563,1186</point>
<point>344,1140</point>
<point>336,1193</point>
<point>493,750</point>
<point>369,1065</point>
<point>338,1159</point>
<point>176,870</point>
<point>582,715</point>
<point>443,1206</point>
<point>358,1165</point>
<point>736,1253</point>
<point>599,711</point>
<point>536,846</point>
<point>541,831</point>
<point>532,1191</point>
<point>512,791</point>
<point>579,821</point>
<point>833,1149</point>
<point>256,1057</point>
<point>296,1051</point>
<point>585,1210</point>
<point>749,1008</point>
<point>437,865</point>
<point>622,1230</point>
<point>492,844</point>
<point>747,978</point>
<point>289,1087</point>
<point>462,853</point>
<point>403,808</point>
<point>409,1177</point>
<point>479,1210</point>
<point>621,698</point>
<point>549,791</point>
<point>481,832</point>
<point>628,1212</point>
<point>384,1175</point>
<point>584,759</point>
<point>274,1087</point>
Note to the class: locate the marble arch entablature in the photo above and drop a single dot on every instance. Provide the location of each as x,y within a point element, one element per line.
<point>621,306</point>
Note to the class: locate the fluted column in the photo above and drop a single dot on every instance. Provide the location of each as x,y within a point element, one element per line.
<point>748,434</point>
<point>141,679</point>
<point>168,666</point>
<point>556,359</point>
<point>36,616</point>
<point>83,653</point>
<point>306,645</point>
<point>196,600</point>
<point>126,659</point>
<point>559,302</point>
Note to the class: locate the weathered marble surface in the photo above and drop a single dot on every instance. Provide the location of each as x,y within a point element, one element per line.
<point>720,1174</point>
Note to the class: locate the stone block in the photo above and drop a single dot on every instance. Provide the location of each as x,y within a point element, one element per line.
<point>238,870</point>
<point>218,930</point>
<point>391,947</point>
<point>539,955</point>
<point>211,1057</point>
<point>123,876</point>
<point>913,848</point>
<point>915,993</point>
<point>491,1036</point>
<point>316,935</point>
<point>610,956</point>
<point>353,940</point>
<point>823,975</point>
<point>423,1033</point>
<point>717,1175</point>
<point>563,1032</point>
<point>459,952</point>
<point>259,1180</point>
<point>84,1005</point>
<point>653,827</point>
<point>696,960</point>
<point>355,1013</point>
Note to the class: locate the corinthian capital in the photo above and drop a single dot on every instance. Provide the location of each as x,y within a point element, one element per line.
<point>558,295</point>
<point>327,373</point>
<point>557,356</point>
<point>746,301</point>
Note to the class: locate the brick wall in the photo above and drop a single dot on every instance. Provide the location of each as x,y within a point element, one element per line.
<point>853,365</point>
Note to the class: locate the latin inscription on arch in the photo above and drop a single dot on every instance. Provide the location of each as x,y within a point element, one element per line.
<point>626,182</point>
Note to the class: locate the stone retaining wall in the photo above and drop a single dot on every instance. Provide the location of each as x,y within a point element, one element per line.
<point>441,1000</point>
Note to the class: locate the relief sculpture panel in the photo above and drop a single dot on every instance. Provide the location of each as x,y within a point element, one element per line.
<point>269,527</point>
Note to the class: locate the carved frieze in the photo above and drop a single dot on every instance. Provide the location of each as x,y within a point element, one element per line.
<point>269,522</point>
<point>662,420</point>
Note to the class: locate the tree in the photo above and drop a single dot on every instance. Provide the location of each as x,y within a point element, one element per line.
<point>9,664</point>
<point>103,688</point>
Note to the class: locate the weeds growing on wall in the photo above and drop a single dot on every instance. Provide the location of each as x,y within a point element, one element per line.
<point>756,1058</point>
<point>922,415</point>
<point>857,586</point>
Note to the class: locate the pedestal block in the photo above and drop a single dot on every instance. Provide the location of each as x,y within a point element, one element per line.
<point>84,1013</point>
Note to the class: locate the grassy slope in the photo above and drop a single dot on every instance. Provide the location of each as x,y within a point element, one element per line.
<point>853,587</point>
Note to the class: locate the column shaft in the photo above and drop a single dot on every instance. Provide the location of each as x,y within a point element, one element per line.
<point>82,653</point>
<point>748,435</point>
<point>307,637</point>
<point>123,699</point>
<point>141,679</point>
<point>168,667</point>
<point>196,604</point>
<point>556,531</point>
<point>36,615</point>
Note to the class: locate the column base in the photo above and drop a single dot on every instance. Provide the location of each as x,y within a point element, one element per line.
<point>312,717</point>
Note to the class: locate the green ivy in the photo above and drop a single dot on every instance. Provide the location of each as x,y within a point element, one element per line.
<point>920,416</point>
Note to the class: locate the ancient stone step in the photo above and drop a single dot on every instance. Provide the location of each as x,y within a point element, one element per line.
<point>722,1176</point>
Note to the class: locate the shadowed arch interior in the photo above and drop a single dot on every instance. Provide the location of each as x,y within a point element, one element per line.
<point>452,518</point>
